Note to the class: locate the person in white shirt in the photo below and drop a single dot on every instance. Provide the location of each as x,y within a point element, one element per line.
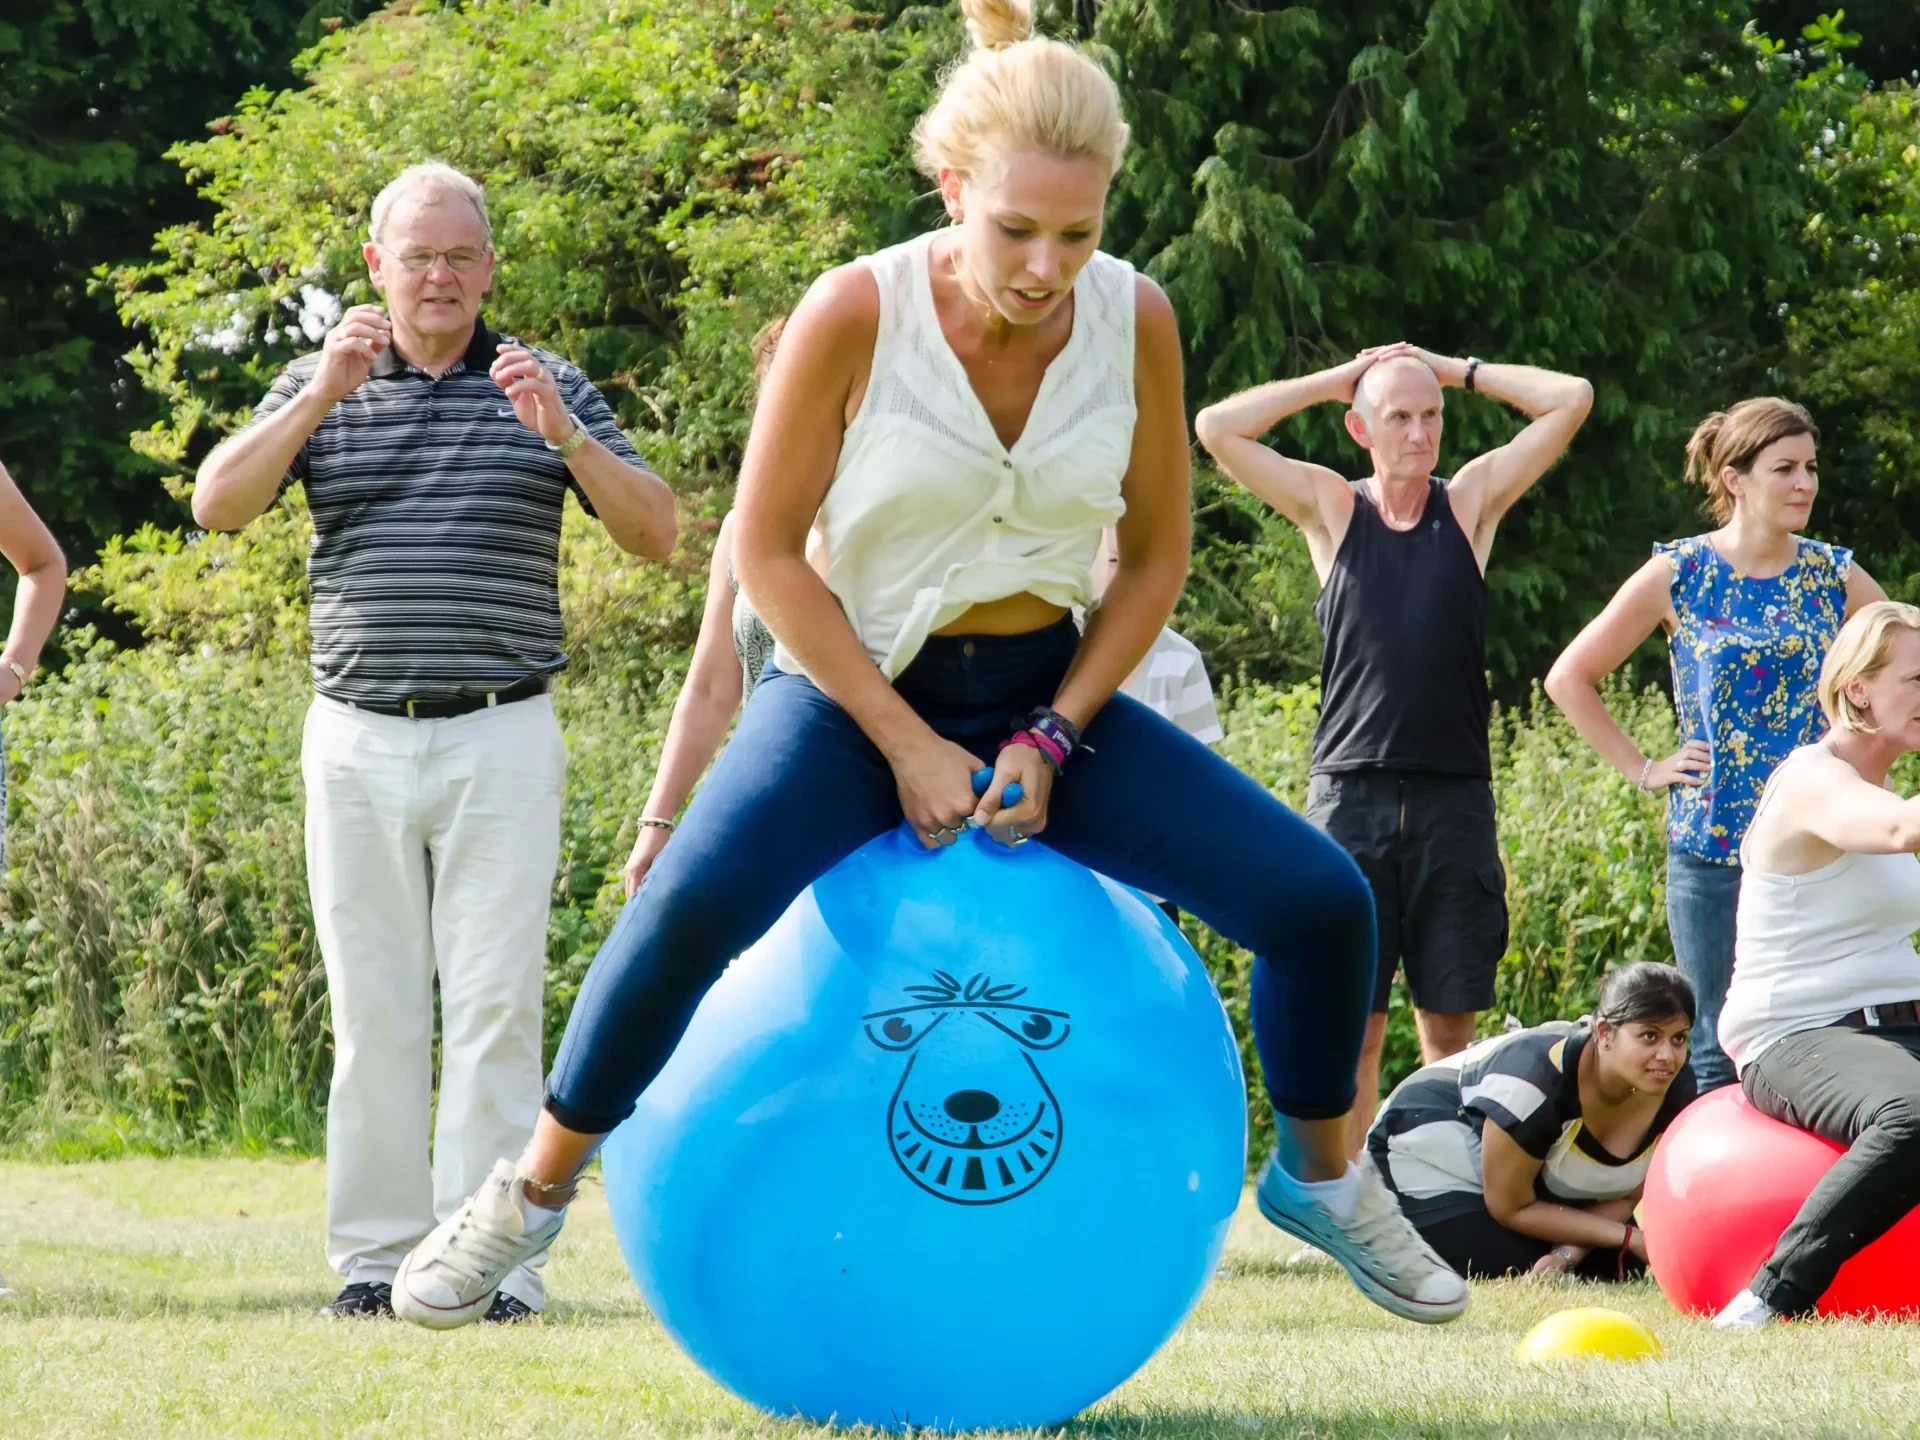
<point>962,415</point>
<point>1172,679</point>
<point>1822,1019</point>
<point>732,648</point>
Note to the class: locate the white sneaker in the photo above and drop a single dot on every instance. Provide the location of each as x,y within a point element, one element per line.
<point>450,1278</point>
<point>1746,1311</point>
<point>1382,1252</point>
<point>1310,1257</point>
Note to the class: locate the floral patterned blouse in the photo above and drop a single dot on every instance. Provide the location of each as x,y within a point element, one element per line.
<point>1746,664</point>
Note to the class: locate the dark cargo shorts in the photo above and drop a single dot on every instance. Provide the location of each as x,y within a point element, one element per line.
<point>1427,845</point>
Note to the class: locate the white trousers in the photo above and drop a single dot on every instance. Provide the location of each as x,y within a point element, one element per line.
<point>431,847</point>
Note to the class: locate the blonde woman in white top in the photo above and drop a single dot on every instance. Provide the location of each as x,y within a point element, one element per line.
<point>964,413</point>
<point>1823,1017</point>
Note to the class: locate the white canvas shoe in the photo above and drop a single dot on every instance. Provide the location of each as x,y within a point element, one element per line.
<point>1746,1311</point>
<point>450,1278</point>
<point>1378,1246</point>
<point>1310,1257</point>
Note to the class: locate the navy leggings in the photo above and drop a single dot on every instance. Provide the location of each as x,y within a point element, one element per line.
<point>801,787</point>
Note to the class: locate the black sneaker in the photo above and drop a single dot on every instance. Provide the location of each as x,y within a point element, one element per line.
<point>368,1299</point>
<point>506,1310</point>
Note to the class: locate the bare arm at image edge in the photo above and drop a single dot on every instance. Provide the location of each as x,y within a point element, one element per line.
<point>31,549</point>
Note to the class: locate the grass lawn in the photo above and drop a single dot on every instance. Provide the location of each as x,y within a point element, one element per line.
<point>175,1298</point>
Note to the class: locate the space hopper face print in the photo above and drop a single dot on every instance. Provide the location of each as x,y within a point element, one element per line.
<point>972,1120</point>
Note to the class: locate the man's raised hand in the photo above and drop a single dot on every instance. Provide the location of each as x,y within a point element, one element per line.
<point>1447,369</point>
<point>533,393</point>
<point>1351,372</point>
<point>351,347</point>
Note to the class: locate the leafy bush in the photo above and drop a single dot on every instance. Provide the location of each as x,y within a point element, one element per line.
<point>1585,854</point>
<point>159,984</point>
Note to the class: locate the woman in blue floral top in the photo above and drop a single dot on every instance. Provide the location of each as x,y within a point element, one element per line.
<point>1749,611</point>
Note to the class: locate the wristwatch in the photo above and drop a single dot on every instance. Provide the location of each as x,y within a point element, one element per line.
<point>573,442</point>
<point>1473,364</point>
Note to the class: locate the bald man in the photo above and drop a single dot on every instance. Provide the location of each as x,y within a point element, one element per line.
<point>1400,773</point>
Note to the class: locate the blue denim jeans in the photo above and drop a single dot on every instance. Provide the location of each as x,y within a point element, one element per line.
<point>1701,898</point>
<point>801,787</point>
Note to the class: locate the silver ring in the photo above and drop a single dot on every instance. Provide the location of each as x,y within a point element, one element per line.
<point>1018,837</point>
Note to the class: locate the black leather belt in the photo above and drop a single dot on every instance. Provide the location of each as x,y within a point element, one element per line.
<point>1872,1017</point>
<point>461,704</point>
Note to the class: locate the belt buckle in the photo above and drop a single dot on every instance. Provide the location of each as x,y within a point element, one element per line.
<point>1871,1013</point>
<point>410,714</point>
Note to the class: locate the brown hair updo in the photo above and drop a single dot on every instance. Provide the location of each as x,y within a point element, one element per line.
<point>1734,439</point>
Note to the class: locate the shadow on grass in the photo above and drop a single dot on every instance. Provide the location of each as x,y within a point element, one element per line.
<point>117,1303</point>
<point>1219,1423</point>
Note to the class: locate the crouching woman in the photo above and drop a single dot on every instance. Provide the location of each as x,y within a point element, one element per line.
<point>1525,1153</point>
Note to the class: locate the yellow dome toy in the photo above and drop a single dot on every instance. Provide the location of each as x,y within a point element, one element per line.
<point>1588,1333</point>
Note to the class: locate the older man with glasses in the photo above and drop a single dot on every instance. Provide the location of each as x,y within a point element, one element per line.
<point>436,456</point>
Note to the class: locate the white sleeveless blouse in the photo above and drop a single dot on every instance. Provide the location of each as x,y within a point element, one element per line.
<point>929,514</point>
<point>1811,948</point>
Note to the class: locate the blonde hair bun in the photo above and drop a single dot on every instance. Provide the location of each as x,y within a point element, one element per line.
<point>1018,90</point>
<point>996,24</point>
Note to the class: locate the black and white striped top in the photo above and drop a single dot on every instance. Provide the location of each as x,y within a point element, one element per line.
<point>1426,1139</point>
<point>436,527</point>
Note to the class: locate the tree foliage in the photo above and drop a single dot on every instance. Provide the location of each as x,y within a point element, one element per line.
<point>91,97</point>
<point>1607,189</point>
<point>1853,330</point>
<point>1648,193</point>
<point>662,180</point>
<point>1889,31</point>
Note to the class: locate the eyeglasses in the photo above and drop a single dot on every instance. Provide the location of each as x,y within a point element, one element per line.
<point>461,257</point>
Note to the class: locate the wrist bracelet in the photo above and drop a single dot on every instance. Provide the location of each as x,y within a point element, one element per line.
<point>574,441</point>
<point>1062,732</point>
<point>1055,756</point>
<point>1046,713</point>
<point>655,822</point>
<point>1645,770</point>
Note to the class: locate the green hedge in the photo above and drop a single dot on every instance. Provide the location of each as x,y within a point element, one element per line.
<point>1585,854</point>
<point>159,984</point>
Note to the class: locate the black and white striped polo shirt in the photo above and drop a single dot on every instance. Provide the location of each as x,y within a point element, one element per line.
<point>1426,1139</point>
<point>436,527</point>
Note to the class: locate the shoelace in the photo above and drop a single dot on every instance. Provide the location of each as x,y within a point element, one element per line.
<point>1373,1225</point>
<point>470,1240</point>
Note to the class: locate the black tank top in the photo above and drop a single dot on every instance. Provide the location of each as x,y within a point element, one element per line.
<point>1403,675</point>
